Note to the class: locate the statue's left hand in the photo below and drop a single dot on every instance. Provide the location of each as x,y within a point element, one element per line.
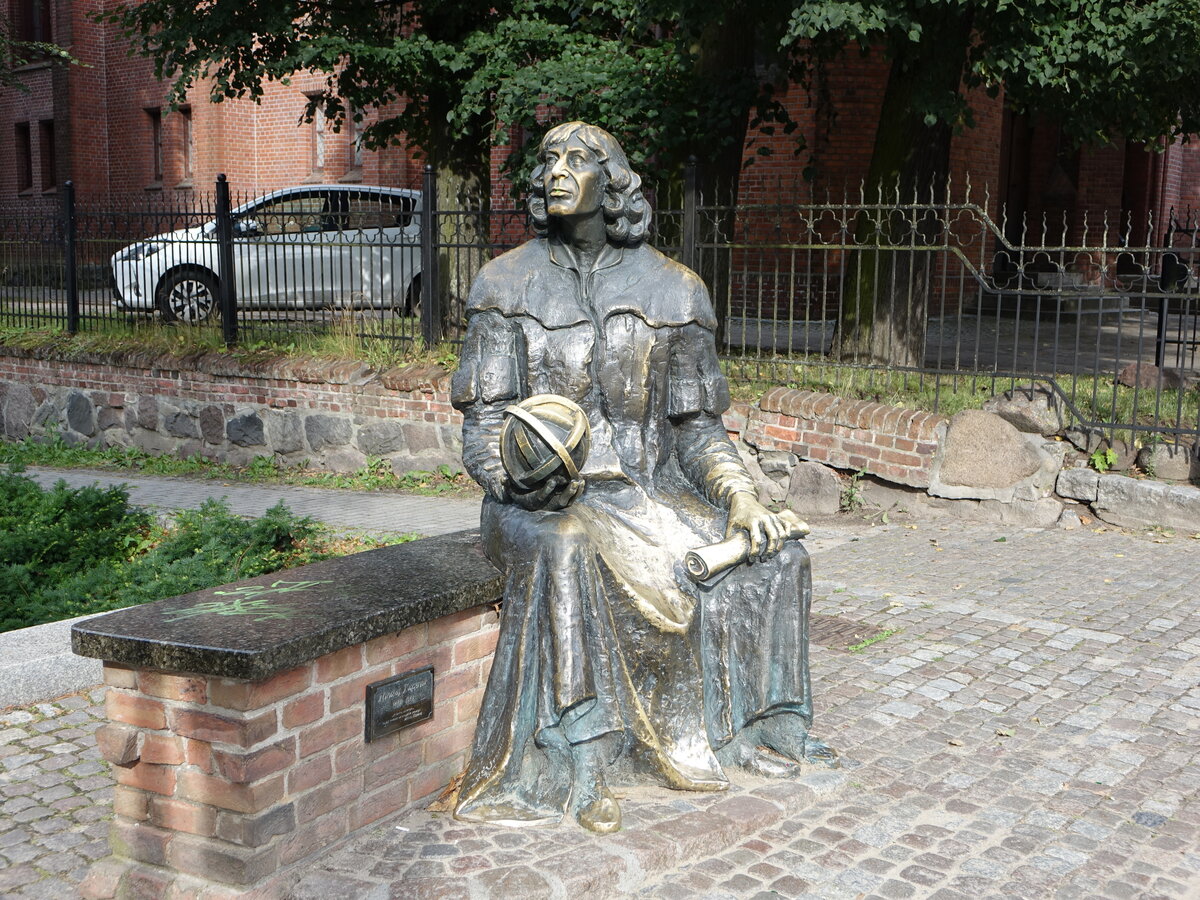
<point>556,493</point>
<point>765,529</point>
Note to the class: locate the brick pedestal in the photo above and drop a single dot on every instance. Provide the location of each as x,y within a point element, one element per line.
<point>225,785</point>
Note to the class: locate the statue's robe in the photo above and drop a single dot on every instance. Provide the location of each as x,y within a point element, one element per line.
<point>602,632</point>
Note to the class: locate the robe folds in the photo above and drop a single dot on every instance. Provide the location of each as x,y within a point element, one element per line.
<point>602,634</point>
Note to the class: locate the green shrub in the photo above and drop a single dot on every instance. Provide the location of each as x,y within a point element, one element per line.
<point>67,552</point>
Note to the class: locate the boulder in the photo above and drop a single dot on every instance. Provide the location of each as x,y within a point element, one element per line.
<point>777,464</point>
<point>323,431</point>
<point>81,416</point>
<point>246,430</point>
<point>983,457</point>
<point>181,425</point>
<point>19,406</point>
<point>381,438</point>
<point>1089,440</point>
<point>285,430</point>
<point>1034,410</point>
<point>1078,484</point>
<point>814,489</point>
<point>1148,377</point>
<point>769,490</point>
<point>1168,462</point>
<point>212,424</point>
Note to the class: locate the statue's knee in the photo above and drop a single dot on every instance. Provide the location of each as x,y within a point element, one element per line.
<point>794,558</point>
<point>561,534</point>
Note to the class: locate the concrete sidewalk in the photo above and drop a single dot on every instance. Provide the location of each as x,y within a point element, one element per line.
<point>1025,723</point>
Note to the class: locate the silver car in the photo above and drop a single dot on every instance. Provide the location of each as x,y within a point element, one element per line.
<point>318,246</point>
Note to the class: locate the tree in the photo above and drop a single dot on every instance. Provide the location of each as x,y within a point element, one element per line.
<point>1099,68</point>
<point>15,53</point>
<point>675,77</point>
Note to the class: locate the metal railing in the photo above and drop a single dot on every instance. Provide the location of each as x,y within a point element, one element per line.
<point>939,295</point>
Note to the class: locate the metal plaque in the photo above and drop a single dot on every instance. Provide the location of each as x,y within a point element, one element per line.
<point>398,702</point>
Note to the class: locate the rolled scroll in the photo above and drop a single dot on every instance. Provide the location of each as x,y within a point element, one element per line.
<point>709,563</point>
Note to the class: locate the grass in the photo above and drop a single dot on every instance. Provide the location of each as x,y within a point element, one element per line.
<point>376,475</point>
<point>67,552</point>
<point>873,639</point>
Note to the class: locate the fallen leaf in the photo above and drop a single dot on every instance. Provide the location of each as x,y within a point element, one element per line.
<point>955,742</point>
<point>959,587</point>
<point>1085,520</point>
<point>1004,732</point>
<point>1000,540</point>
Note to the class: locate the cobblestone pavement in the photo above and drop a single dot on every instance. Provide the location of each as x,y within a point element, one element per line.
<point>55,796</point>
<point>1021,718</point>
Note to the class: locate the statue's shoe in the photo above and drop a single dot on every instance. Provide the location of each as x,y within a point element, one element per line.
<point>817,751</point>
<point>602,815</point>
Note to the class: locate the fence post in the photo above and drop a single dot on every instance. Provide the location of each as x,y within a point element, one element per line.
<point>70,280</point>
<point>226,287</point>
<point>688,251</point>
<point>431,295</point>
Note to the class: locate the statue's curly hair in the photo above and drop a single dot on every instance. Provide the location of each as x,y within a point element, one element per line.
<point>627,215</point>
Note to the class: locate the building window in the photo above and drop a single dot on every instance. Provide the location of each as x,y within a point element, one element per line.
<point>24,153</point>
<point>318,141</point>
<point>47,156</point>
<point>32,21</point>
<point>189,144</point>
<point>156,145</point>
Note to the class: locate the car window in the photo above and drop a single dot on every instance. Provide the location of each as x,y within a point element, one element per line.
<point>378,211</point>
<point>290,215</point>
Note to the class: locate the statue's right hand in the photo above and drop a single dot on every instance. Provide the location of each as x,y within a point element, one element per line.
<point>556,493</point>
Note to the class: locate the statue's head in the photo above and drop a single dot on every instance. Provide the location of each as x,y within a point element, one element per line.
<point>626,212</point>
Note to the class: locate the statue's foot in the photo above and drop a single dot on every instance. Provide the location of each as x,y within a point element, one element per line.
<point>746,753</point>
<point>787,735</point>
<point>601,815</point>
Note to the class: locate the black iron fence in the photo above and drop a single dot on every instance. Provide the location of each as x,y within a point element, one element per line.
<point>924,294</point>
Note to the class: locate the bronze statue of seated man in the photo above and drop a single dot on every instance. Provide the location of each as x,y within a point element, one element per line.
<point>612,663</point>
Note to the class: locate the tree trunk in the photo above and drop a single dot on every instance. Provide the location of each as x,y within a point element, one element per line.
<point>885,302</point>
<point>462,241</point>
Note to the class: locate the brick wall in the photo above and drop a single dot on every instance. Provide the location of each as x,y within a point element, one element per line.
<point>892,443</point>
<point>222,783</point>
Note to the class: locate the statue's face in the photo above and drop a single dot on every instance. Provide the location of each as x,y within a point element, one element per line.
<point>575,179</point>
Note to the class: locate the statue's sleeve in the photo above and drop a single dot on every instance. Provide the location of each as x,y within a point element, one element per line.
<point>699,395</point>
<point>488,379</point>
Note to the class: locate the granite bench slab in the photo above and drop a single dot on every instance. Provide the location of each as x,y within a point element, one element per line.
<point>256,628</point>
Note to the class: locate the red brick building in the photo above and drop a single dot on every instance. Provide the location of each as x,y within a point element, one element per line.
<point>104,125</point>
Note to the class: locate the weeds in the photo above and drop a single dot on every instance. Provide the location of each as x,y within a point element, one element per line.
<point>852,496</point>
<point>66,552</point>
<point>873,639</point>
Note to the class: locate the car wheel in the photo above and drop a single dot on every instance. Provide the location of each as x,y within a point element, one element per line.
<point>188,296</point>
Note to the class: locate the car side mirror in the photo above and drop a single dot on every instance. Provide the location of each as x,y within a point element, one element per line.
<point>247,228</point>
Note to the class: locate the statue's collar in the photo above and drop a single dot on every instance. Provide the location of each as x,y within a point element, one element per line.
<point>562,255</point>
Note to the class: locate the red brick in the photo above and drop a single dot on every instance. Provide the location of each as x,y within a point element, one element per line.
<point>391,646</point>
<point>131,802</point>
<point>354,691</point>
<point>475,647</point>
<point>315,836</point>
<point>203,726</point>
<point>137,840</point>
<point>241,695</point>
<point>119,676</point>
<point>304,710</point>
<point>180,815</point>
<point>455,625</point>
<point>341,727</point>
<point>198,754</point>
<point>373,807</point>
<point>444,745</point>
<point>148,777</point>
<point>163,749</point>
<point>337,665</point>
<point>220,862</point>
<point>243,768</point>
<point>310,773</point>
<point>189,688</point>
<point>457,682</point>
<point>134,710</point>
<point>398,764</point>
<point>120,744</point>
<point>245,798</point>
<point>331,796</point>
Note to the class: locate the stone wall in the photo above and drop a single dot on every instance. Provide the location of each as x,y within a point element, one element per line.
<point>334,415</point>
<point>225,784</point>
